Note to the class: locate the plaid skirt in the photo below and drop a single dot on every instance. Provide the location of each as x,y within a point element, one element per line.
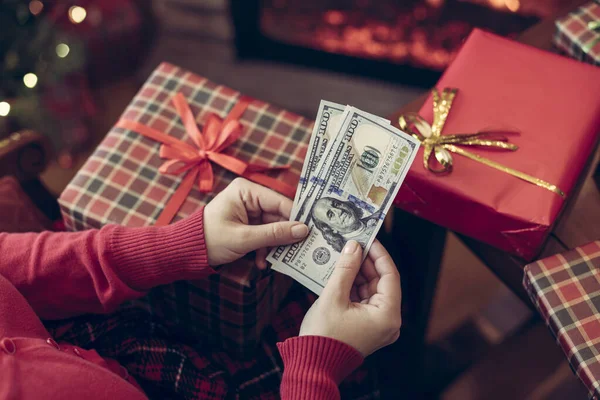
<point>168,365</point>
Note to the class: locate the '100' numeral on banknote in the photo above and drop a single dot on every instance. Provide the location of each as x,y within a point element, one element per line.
<point>347,197</point>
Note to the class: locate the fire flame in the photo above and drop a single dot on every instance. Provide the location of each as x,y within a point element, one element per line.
<point>399,34</point>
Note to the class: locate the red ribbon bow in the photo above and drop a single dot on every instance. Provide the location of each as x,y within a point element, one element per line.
<point>196,161</point>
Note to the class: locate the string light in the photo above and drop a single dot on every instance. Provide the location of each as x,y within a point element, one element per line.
<point>62,50</point>
<point>30,80</point>
<point>77,14</point>
<point>4,108</point>
<point>36,7</point>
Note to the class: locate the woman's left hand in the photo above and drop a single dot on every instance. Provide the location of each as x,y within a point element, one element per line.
<point>246,217</point>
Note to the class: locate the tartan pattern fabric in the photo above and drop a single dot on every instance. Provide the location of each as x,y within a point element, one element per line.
<point>229,309</point>
<point>168,368</point>
<point>565,288</point>
<point>120,183</point>
<point>573,36</point>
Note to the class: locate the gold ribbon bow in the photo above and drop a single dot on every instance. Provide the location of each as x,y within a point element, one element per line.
<point>441,146</point>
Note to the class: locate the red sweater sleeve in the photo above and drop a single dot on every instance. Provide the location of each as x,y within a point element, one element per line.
<point>314,366</point>
<point>66,274</point>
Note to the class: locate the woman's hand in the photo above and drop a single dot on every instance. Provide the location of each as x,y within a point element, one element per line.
<point>246,217</point>
<point>359,306</point>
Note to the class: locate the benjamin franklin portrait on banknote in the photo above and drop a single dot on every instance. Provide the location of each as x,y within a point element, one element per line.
<point>340,221</point>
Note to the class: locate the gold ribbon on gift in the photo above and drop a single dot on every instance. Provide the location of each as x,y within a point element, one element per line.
<point>440,147</point>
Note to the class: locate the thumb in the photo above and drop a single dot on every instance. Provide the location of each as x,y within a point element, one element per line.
<point>343,276</point>
<point>274,234</point>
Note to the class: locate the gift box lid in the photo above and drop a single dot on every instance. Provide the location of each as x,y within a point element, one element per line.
<point>565,289</point>
<point>503,85</point>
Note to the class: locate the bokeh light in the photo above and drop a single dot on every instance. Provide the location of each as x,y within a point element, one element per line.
<point>36,7</point>
<point>4,108</point>
<point>62,50</point>
<point>513,5</point>
<point>77,14</point>
<point>30,80</point>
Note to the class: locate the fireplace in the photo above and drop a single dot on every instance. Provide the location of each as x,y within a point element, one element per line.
<point>410,41</point>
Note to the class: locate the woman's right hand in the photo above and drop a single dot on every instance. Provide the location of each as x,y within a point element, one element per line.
<point>360,305</point>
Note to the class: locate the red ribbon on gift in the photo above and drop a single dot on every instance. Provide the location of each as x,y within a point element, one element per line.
<point>196,160</point>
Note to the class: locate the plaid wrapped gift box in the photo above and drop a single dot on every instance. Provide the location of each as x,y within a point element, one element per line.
<point>576,38</point>
<point>121,183</point>
<point>565,288</point>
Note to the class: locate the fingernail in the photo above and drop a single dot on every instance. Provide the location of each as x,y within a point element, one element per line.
<point>299,231</point>
<point>351,247</point>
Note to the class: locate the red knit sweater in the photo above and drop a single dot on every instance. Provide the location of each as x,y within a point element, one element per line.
<point>58,275</point>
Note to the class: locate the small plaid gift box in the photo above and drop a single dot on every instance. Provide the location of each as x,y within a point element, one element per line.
<point>121,183</point>
<point>565,288</point>
<point>578,33</point>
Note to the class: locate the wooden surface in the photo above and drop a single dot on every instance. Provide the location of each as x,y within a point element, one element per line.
<point>580,220</point>
<point>523,355</point>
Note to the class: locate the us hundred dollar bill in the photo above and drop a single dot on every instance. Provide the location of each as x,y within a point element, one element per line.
<point>330,118</point>
<point>364,170</point>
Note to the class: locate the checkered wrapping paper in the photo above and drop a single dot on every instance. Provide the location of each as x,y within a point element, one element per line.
<point>573,36</point>
<point>565,288</point>
<point>120,183</point>
<point>169,367</point>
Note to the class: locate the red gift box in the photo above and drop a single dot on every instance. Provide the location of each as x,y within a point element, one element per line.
<point>552,101</point>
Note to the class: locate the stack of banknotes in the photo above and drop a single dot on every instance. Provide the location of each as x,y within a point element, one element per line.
<point>353,169</point>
